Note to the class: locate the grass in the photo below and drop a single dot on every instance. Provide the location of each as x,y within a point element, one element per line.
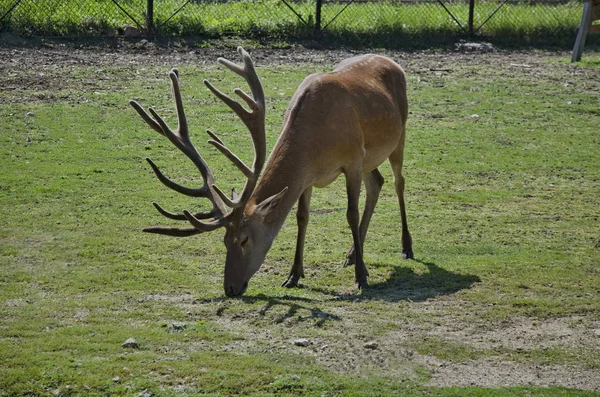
<point>388,24</point>
<point>503,209</point>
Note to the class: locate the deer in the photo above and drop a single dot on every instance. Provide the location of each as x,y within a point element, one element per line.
<point>347,121</point>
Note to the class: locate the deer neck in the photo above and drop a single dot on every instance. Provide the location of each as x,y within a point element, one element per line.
<point>282,170</point>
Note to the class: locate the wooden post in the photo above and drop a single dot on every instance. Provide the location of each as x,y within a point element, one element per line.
<point>591,12</point>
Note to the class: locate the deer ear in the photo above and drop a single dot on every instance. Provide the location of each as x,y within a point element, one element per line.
<point>270,203</point>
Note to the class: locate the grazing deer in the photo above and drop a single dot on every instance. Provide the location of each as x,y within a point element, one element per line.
<point>346,122</point>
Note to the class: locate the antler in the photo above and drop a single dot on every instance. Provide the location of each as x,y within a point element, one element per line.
<point>254,121</point>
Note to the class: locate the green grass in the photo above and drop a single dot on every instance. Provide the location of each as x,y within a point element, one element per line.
<point>503,210</point>
<point>388,24</point>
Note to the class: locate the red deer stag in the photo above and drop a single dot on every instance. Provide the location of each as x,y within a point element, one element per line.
<point>346,122</point>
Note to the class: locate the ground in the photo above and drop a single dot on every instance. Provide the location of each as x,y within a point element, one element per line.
<point>42,68</point>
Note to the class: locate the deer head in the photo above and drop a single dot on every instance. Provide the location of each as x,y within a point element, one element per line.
<point>246,238</point>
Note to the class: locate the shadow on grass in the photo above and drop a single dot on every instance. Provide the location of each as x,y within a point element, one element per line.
<point>402,285</point>
<point>296,309</point>
<point>315,314</point>
<point>406,285</point>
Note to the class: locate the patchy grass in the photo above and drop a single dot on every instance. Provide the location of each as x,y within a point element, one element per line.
<point>503,196</point>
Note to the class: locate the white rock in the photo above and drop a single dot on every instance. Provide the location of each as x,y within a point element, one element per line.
<point>371,345</point>
<point>132,343</point>
<point>177,326</point>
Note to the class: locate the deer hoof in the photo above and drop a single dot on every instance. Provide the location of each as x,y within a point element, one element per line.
<point>362,284</point>
<point>350,259</point>
<point>291,282</point>
<point>408,255</point>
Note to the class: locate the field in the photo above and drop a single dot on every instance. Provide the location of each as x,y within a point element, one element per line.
<point>503,194</point>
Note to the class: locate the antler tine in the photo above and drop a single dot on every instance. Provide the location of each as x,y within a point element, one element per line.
<point>208,226</point>
<point>232,66</point>
<point>247,72</point>
<point>181,217</point>
<point>234,159</point>
<point>242,113</point>
<point>253,80</point>
<point>147,118</point>
<point>214,136</point>
<point>230,203</point>
<point>173,231</point>
<point>201,192</point>
<point>182,127</point>
<point>180,137</point>
<point>157,123</point>
<point>218,143</point>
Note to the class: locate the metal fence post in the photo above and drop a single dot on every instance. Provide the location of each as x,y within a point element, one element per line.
<point>150,18</point>
<point>318,16</point>
<point>471,16</point>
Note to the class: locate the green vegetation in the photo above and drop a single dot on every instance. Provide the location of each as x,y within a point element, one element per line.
<point>381,23</point>
<point>503,191</point>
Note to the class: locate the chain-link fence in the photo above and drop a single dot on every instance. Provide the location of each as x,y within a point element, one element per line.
<point>291,18</point>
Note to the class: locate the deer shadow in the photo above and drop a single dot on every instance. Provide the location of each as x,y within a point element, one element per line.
<point>406,285</point>
<point>402,285</point>
<point>299,309</point>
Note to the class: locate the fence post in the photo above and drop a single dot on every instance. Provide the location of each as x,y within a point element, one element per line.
<point>471,15</point>
<point>318,16</point>
<point>150,18</point>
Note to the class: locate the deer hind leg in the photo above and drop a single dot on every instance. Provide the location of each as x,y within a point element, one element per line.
<point>353,184</point>
<point>373,183</point>
<point>302,214</point>
<point>396,160</point>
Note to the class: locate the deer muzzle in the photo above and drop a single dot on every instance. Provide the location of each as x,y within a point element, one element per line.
<point>235,288</point>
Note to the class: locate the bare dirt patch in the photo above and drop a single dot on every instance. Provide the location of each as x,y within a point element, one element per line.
<point>519,351</point>
<point>466,351</point>
<point>40,67</point>
<point>499,373</point>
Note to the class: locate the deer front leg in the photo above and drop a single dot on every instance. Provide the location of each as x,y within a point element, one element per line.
<point>353,182</point>
<point>302,219</point>
<point>373,183</point>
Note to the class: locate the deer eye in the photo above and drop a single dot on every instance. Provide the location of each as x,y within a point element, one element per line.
<point>244,240</point>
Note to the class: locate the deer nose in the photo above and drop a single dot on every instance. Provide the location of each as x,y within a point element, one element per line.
<point>232,291</point>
